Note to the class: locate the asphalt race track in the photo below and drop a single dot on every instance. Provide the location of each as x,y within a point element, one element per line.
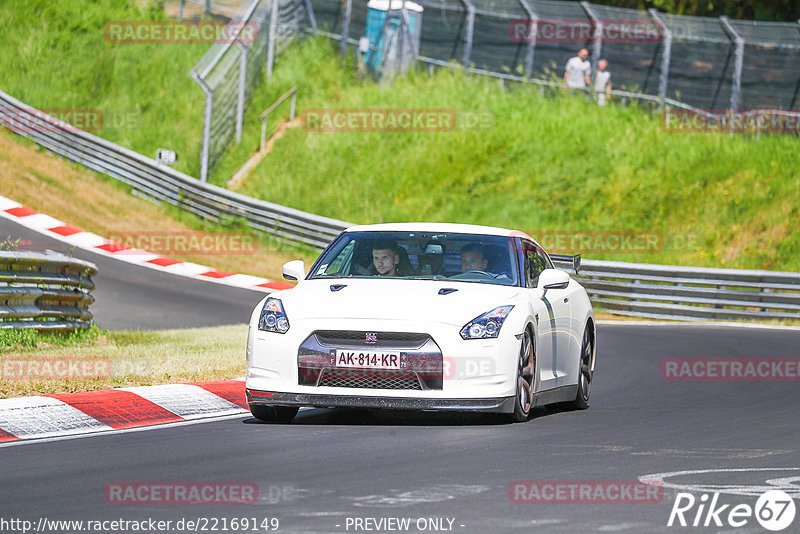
<point>333,470</point>
<point>132,297</point>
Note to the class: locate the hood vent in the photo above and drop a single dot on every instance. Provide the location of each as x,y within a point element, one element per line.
<point>447,290</point>
<point>337,287</point>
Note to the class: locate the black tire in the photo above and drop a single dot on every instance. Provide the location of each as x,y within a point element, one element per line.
<point>273,414</point>
<point>526,365</point>
<point>581,401</point>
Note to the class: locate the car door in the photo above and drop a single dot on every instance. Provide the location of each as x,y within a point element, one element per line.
<point>548,313</point>
<point>568,360</point>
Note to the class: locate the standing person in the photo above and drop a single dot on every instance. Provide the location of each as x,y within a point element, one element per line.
<point>578,71</point>
<point>602,83</point>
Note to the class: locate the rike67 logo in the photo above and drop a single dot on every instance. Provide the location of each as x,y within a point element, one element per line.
<point>774,510</point>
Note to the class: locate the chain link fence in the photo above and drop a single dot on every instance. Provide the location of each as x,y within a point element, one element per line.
<point>230,70</point>
<point>708,65</point>
<point>697,63</point>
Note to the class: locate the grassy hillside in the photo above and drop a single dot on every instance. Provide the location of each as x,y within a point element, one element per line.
<point>545,164</point>
<point>106,207</point>
<point>550,165</point>
<point>56,57</point>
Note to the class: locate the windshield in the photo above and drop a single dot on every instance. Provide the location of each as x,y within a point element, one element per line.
<point>420,255</point>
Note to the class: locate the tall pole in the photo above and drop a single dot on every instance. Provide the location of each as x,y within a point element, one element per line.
<point>348,12</point>
<point>533,29</point>
<point>597,46</point>
<point>470,32</point>
<point>736,84</point>
<point>666,55</point>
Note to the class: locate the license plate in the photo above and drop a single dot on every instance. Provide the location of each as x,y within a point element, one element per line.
<point>366,359</point>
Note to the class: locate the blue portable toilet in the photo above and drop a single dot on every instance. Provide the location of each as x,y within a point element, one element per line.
<point>392,44</point>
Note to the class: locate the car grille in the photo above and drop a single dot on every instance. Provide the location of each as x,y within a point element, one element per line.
<point>346,378</point>
<point>423,369</point>
<point>339,338</point>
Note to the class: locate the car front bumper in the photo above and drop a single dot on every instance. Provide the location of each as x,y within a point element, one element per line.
<point>270,398</point>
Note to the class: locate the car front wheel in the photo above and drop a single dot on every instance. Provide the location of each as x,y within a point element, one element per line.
<point>526,364</point>
<point>581,401</point>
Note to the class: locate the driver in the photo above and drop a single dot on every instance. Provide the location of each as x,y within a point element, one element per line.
<point>385,257</point>
<point>473,258</point>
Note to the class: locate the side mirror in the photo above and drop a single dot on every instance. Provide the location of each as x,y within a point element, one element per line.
<point>294,270</point>
<point>553,279</point>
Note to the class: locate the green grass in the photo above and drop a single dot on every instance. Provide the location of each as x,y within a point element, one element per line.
<point>119,359</point>
<point>27,338</point>
<point>56,57</point>
<point>547,163</point>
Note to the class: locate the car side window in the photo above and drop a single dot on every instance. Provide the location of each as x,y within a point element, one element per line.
<point>535,263</point>
<point>341,263</point>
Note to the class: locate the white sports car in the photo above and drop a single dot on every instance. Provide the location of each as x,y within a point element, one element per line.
<point>424,317</point>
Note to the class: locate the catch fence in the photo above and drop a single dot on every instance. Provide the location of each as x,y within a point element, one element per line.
<point>700,63</point>
<point>230,70</point>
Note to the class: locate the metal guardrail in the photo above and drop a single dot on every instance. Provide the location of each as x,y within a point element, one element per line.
<point>691,293</point>
<point>45,291</point>
<point>163,183</point>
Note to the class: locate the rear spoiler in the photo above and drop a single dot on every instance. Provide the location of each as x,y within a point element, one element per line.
<point>567,262</point>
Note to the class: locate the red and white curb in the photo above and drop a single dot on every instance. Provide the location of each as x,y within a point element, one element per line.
<point>71,235</point>
<point>69,414</point>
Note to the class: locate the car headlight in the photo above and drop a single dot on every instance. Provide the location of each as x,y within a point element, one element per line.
<point>487,325</point>
<point>273,318</point>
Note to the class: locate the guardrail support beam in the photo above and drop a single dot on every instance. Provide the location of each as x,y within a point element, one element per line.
<point>665,57</point>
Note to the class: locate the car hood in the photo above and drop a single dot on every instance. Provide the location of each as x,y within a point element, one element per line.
<point>394,300</point>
